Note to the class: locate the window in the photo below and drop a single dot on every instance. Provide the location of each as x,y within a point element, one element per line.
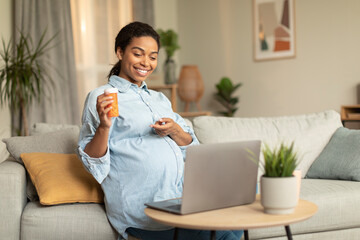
<point>95,25</point>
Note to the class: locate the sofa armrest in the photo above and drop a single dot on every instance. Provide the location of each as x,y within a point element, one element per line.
<point>12,198</point>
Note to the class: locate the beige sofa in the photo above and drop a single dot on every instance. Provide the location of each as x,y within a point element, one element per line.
<point>337,217</point>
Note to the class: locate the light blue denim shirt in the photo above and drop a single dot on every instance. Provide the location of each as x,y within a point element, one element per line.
<point>139,165</point>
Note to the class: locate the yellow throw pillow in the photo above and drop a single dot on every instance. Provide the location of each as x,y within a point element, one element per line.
<point>61,178</point>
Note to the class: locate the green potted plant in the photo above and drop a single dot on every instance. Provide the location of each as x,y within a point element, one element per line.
<point>169,41</point>
<point>224,95</point>
<point>23,75</point>
<point>278,185</point>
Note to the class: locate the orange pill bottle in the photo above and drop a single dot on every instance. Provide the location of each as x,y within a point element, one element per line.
<point>114,112</point>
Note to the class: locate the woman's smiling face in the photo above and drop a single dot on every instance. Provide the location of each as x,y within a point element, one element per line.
<point>138,60</point>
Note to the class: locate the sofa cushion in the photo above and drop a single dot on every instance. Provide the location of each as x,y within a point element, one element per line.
<point>310,132</point>
<point>68,221</point>
<point>340,159</point>
<point>41,128</point>
<point>61,178</point>
<point>61,141</point>
<point>337,202</point>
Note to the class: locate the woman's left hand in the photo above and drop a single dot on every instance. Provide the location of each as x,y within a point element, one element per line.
<point>168,127</point>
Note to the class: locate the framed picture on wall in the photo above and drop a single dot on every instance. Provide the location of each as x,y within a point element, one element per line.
<point>274,29</point>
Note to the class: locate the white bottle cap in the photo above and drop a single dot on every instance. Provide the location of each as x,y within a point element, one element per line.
<point>111,90</point>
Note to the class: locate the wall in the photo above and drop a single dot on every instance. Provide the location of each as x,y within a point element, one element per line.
<point>217,36</point>
<point>5,32</point>
<point>165,17</point>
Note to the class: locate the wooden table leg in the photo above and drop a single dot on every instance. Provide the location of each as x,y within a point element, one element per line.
<point>176,233</point>
<point>246,234</point>
<point>288,232</point>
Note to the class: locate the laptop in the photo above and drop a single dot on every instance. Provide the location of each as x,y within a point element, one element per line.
<point>216,176</point>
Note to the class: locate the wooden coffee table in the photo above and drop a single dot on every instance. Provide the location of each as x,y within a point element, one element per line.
<point>244,217</point>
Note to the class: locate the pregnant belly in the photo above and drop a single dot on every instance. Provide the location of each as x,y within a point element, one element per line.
<point>142,170</point>
<point>145,159</point>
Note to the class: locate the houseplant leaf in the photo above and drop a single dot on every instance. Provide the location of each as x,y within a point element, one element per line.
<point>23,74</point>
<point>225,89</point>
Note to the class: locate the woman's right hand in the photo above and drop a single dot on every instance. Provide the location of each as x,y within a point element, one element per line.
<point>97,147</point>
<point>103,101</point>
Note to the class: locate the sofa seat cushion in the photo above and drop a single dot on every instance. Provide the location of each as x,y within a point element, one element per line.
<point>69,221</point>
<point>338,205</point>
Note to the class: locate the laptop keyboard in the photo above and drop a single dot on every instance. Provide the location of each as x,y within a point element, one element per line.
<point>175,207</point>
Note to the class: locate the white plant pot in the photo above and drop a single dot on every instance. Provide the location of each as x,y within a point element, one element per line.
<point>278,195</point>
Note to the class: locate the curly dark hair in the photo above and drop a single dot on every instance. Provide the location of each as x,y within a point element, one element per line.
<point>125,36</point>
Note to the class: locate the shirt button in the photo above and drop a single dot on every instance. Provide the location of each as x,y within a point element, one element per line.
<point>177,154</point>
<point>138,91</point>
<point>147,103</point>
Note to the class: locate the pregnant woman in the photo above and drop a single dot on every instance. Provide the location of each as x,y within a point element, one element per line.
<point>138,156</point>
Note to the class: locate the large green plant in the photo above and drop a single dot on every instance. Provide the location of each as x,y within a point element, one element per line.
<point>169,41</point>
<point>23,74</point>
<point>224,95</point>
<point>279,162</point>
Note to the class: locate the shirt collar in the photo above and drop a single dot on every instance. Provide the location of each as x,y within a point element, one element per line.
<point>124,85</point>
